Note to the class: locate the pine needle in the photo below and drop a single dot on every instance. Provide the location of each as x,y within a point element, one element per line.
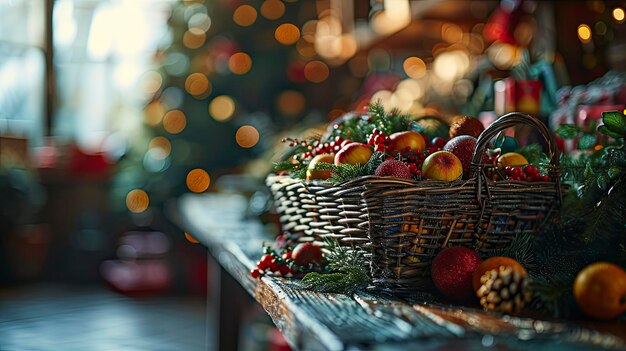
<point>348,271</point>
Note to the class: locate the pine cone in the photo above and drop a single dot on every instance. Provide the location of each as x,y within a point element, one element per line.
<point>504,290</point>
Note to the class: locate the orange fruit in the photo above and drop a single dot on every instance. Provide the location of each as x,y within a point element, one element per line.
<point>511,159</point>
<point>600,290</point>
<point>495,263</point>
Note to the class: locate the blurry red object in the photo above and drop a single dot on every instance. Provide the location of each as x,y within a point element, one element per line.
<point>82,163</point>
<point>277,342</point>
<point>145,277</point>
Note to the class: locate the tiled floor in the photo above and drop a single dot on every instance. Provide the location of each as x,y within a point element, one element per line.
<point>71,318</point>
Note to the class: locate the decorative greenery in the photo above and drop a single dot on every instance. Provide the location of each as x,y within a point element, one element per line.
<point>344,172</point>
<point>358,129</point>
<point>348,271</point>
<point>533,153</point>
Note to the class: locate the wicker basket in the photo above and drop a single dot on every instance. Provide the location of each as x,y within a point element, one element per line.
<point>410,221</point>
<point>316,210</point>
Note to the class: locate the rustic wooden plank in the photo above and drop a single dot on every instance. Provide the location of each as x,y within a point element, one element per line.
<point>316,321</point>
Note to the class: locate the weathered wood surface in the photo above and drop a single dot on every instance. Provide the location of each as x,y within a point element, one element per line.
<point>369,321</point>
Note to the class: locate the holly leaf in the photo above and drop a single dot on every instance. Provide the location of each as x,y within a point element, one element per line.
<point>615,121</point>
<point>606,131</point>
<point>568,131</point>
<point>587,141</point>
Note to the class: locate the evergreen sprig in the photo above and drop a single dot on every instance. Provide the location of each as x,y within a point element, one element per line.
<point>520,249</point>
<point>348,271</point>
<point>345,172</point>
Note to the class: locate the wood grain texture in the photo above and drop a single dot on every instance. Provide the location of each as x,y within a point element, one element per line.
<point>370,320</point>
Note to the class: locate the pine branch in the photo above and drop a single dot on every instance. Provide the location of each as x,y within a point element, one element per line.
<point>348,267</point>
<point>521,249</point>
<point>345,172</point>
<point>532,152</point>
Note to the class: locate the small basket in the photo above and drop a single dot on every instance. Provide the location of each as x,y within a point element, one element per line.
<point>411,221</point>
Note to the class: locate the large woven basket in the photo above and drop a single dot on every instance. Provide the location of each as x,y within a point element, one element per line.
<point>410,221</point>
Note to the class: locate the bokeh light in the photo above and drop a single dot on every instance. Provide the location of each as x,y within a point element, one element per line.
<point>584,33</point>
<point>174,121</point>
<point>618,14</point>
<point>245,15</point>
<point>198,180</point>
<point>451,33</point>
<point>197,84</point>
<point>308,31</point>
<point>247,136</point>
<point>316,71</point>
<point>414,67</point>
<point>193,39</point>
<point>291,102</point>
<point>191,239</point>
<point>137,201</point>
<point>305,48</point>
<point>199,22</point>
<point>287,34</point>
<point>272,9</point>
<point>222,108</point>
<point>240,63</point>
<point>153,113</point>
<point>152,82</point>
<point>162,144</point>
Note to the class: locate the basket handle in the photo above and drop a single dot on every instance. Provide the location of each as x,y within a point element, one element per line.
<point>509,120</point>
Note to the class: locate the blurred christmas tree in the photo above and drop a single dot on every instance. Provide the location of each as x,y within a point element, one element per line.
<point>230,75</point>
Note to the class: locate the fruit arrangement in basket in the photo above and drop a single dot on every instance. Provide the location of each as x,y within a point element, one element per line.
<point>465,215</point>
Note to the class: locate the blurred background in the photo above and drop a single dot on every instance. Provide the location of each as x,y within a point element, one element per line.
<point>112,109</point>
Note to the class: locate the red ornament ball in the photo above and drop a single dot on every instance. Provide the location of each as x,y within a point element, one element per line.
<point>452,270</point>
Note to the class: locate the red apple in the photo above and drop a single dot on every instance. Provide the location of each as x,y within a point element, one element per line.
<point>410,139</point>
<point>353,153</point>
<point>442,165</point>
<point>312,173</point>
<point>462,146</point>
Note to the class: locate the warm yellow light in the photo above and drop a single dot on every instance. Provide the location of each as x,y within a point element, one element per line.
<point>584,33</point>
<point>308,31</point>
<point>153,113</point>
<point>174,121</point>
<point>190,238</point>
<point>197,84</point>
<point>193,39</point>
<point>240,63</point>
<point>137,201</point>
<point>316,71</point>
<point>222,108</point>
<point>272,9</point>
<point>287,34</point>
<point>414,67</point>
<point>198,180</point>
<point>291,102</point>
<point>618,14</point>
<point>247,136</point>
<point>245,15</point>
<point>451,33</point>
<point>305,49</point>
<point>162,144</point>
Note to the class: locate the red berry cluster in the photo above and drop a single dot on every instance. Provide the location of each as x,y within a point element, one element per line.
<point>378,139</point>
<point>528,173</point>
<point>274,263</point>
<point>305,257</point>
<point>317,147</point>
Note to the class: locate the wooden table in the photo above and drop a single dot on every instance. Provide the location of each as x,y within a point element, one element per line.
<point>364,321</point>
